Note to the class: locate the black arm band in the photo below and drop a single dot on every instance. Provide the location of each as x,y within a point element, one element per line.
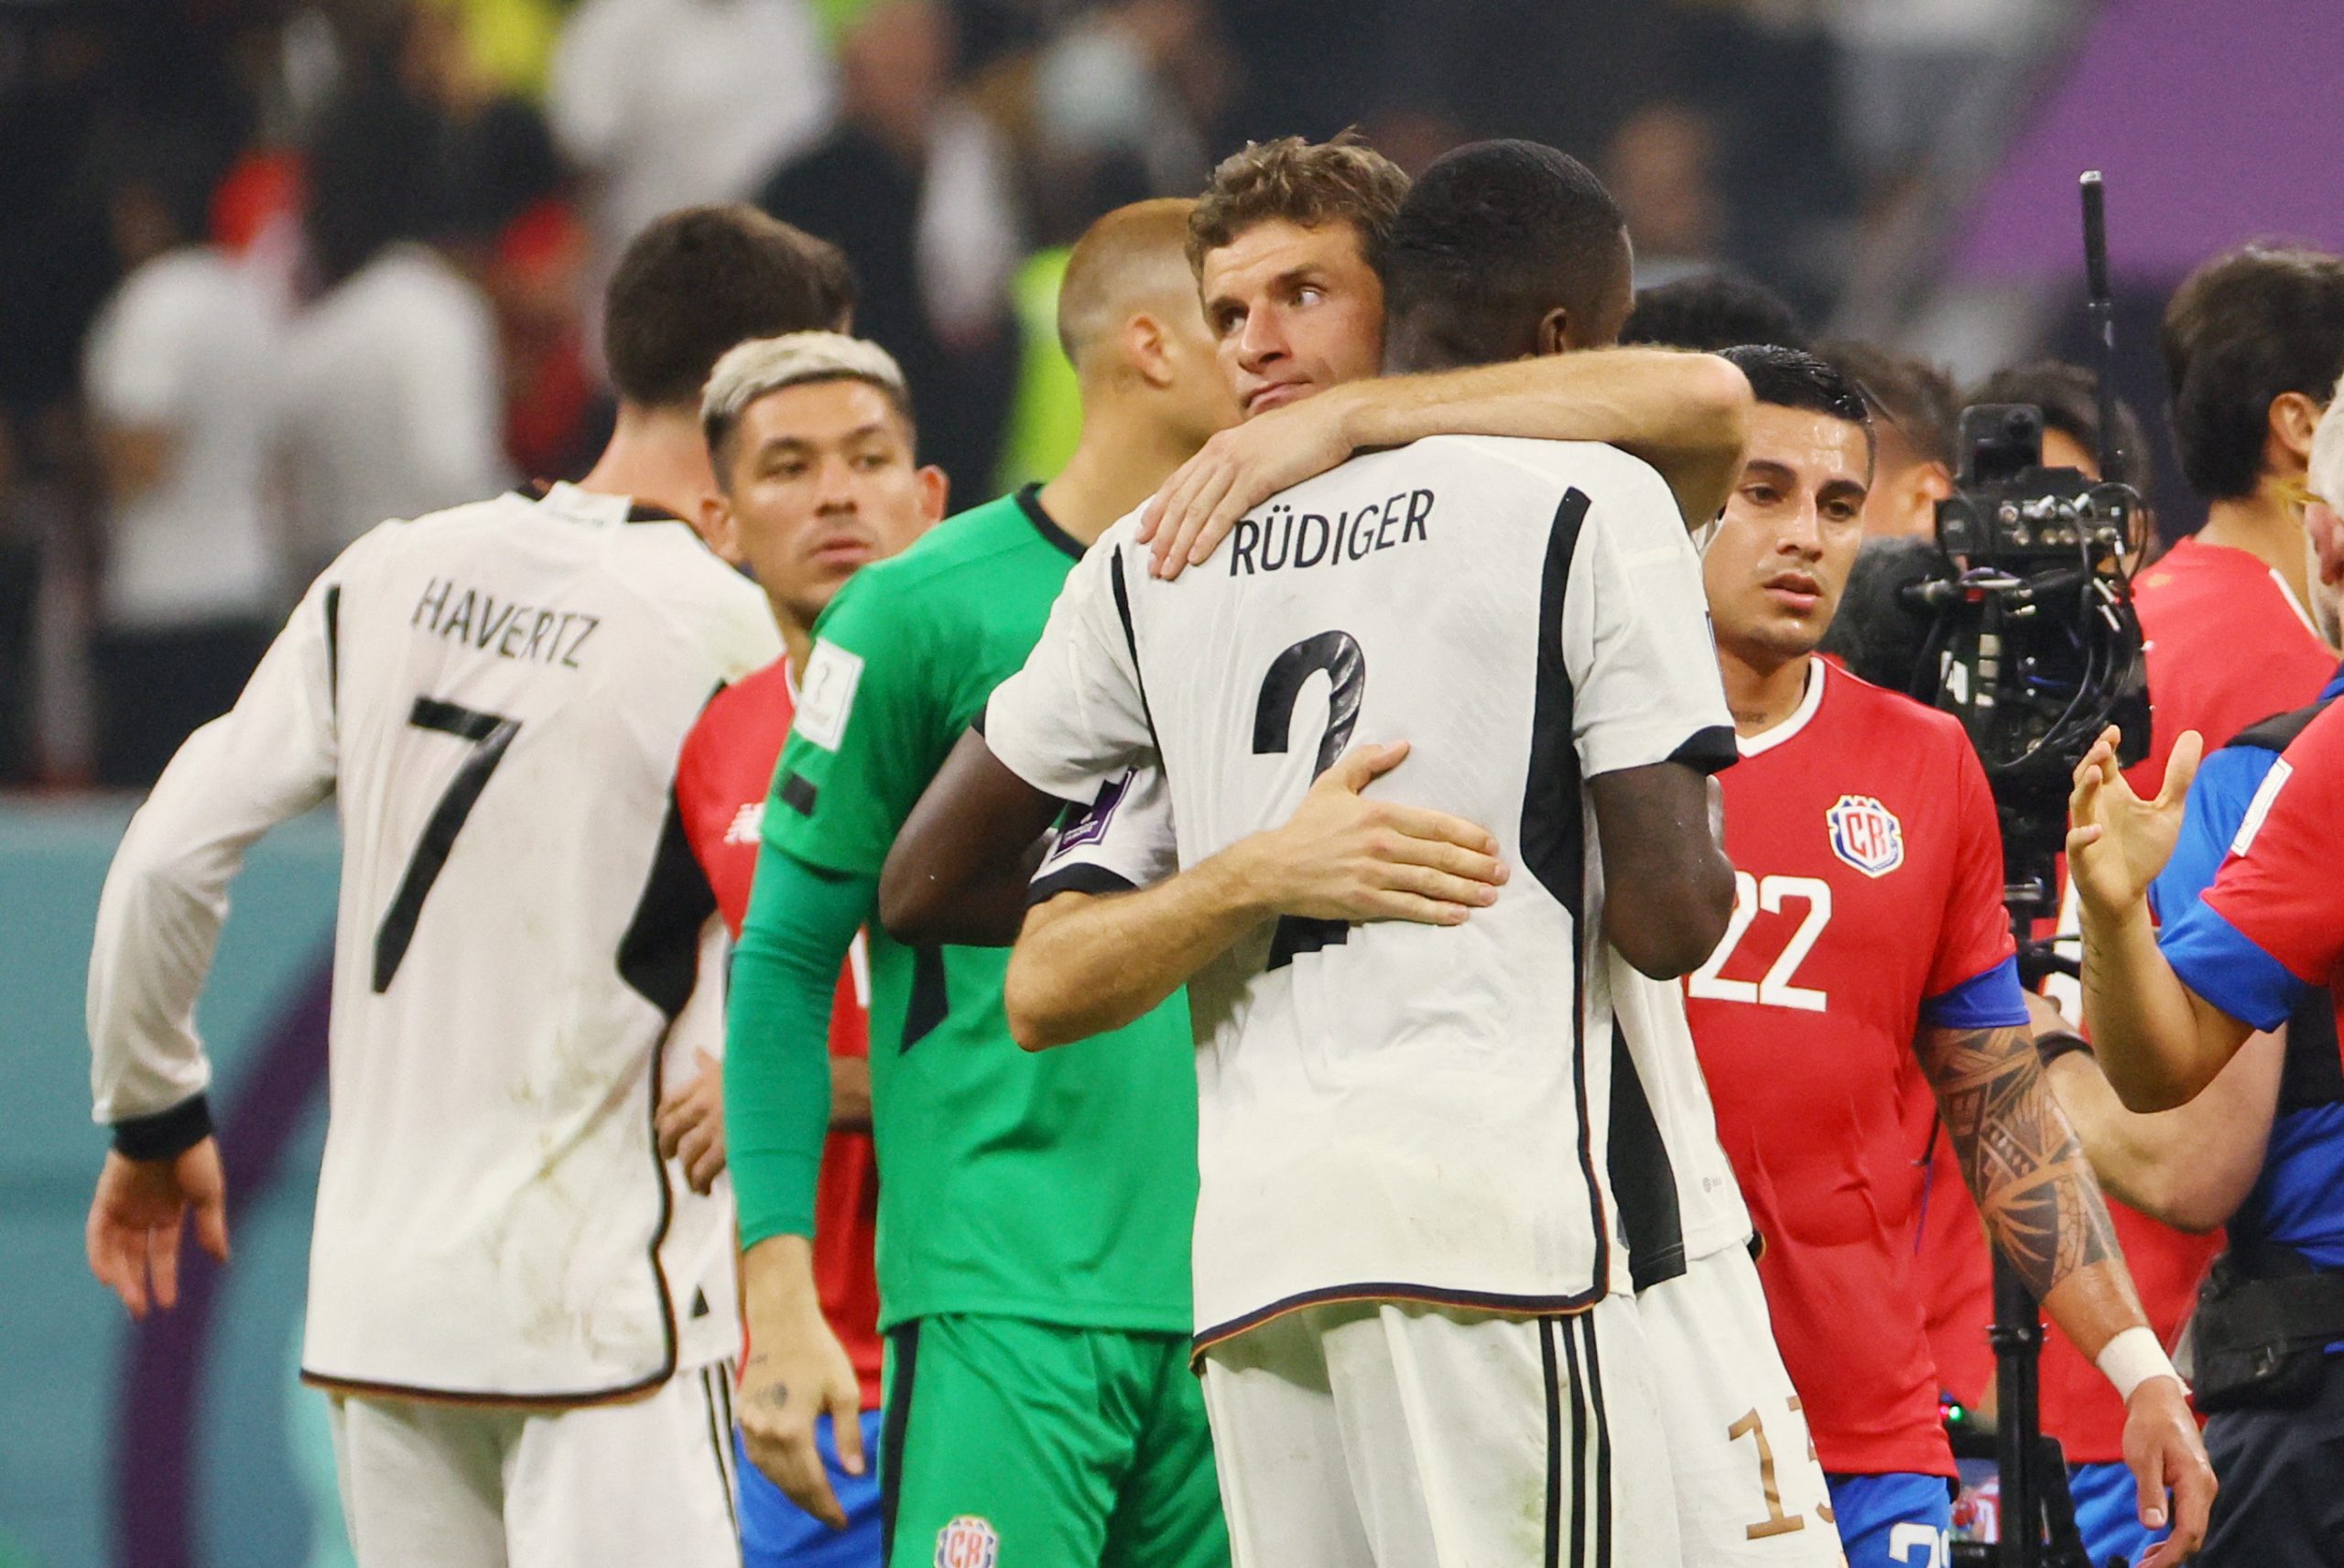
<point>167,1134</point>
<point>2058,1043</point>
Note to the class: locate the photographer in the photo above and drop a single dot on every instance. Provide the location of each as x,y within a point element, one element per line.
<point>2258,1149</point>
<point>2076,1404</point>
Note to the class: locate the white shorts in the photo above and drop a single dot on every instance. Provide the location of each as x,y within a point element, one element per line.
<point>1409,1436</point>
<point>1749,1489</point>
<point>447,1486</point>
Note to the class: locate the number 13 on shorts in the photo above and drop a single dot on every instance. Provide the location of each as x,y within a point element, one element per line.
<point>1776,1490</point>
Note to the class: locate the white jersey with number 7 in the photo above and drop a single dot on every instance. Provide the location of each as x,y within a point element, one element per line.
<point>495,696</point>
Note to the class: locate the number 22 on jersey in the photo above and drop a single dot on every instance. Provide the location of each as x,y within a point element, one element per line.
<point>1778,988</point>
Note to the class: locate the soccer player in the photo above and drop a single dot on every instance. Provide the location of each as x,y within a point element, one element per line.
<point>1869,936</point>
<point>2252,343</point>
<point>1416,1339</point>
<point>1032,1269</point>
<point>2255,1151</point>
<point>523,1315</point>
<point>2169,1010</point>
<point>1283,242</point>
<point>811,439</point>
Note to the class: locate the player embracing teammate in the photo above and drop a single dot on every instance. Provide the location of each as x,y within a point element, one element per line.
<point>1294,272</point>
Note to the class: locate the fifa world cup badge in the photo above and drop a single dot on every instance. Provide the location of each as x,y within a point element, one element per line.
<point>1866,835</point>
<point>968,1541</point>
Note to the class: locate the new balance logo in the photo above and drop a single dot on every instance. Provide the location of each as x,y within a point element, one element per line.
<point>748,823</point>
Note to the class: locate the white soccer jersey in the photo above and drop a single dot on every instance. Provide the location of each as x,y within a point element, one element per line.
<point>1677,1197</point>
<point>496,695</point>
<point>1399,1110</point>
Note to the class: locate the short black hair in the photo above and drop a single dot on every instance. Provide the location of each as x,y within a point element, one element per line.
<point>702,279</point>
<point>1491,238</point>
<point>1793,378</point>
<point>2241,330</point>
<point>1712,310</point>
<point>1912,396</point>
<point>2068,395</point>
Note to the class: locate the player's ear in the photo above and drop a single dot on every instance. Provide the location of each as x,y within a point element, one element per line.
<point>1147,352</point>
<point>935,490</point>
<point>719,528</point>
<point>2292,419</point>
<point>1555,331</point>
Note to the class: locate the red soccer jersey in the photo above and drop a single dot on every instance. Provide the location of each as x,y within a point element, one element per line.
<point>2227,647</point>
<point>721,779</point>
<point>2278,903</point>
<point>1869,895</point>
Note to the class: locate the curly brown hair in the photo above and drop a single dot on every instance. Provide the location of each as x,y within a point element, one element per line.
<point>1309,183</point>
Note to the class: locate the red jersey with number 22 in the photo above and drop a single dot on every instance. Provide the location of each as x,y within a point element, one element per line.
<point>722,780</point>
<point>1868,873</point>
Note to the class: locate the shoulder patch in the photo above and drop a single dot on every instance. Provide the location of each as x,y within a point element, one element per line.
<point>1866,835</point>
<point>826,695</point>
<point>2260,806</point>
<point>969,1542</point>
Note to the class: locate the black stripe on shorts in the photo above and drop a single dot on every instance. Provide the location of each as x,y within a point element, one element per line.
<point>904,1342</point>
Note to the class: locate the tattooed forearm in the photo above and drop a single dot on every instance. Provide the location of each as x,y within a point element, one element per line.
<point>2020,1157</point>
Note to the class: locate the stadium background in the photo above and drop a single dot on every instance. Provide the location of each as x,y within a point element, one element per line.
<point>1903,169</point>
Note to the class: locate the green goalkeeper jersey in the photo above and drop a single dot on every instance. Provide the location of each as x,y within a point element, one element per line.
<point>1059,1186</point>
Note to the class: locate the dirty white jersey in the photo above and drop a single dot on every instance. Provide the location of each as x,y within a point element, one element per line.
<point>495,696</point>
<point>1395,1110</point>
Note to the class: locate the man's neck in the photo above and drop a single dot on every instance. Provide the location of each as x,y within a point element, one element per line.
<point>2267,527</point>
<point>1121,461</point>
<point>796,637</point>
<point>1761,693</point>
<point>656,456</point>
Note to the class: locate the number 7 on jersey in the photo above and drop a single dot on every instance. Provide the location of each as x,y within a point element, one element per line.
<point>490,735</point>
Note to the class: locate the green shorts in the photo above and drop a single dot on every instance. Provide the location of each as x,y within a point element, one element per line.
<point>1010,1443</point>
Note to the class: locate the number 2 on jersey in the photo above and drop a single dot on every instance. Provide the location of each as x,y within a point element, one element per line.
<point>491,734</point>
<point>1750,896</point>
<point>1337,655</point>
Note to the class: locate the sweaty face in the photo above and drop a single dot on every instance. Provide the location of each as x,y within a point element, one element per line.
<point>1780,558</point>
<point>820,481</point>
<point>1292,312</point>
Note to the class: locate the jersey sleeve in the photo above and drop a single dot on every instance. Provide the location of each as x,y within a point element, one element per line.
<point>1075,717</point>
<point>2271,926</point>
<point>269,758</point>
<point>871,729</point>
<point>1122,841</point>
<point>1635,637</point>
<point>2211,817</point>
<point>1974,975</point>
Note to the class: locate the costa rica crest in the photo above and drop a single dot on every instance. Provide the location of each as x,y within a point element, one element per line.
<point>1866,835</point>
<point>969,1542</point>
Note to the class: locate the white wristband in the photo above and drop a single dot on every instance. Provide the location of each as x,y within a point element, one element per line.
<point>2132,1358</point>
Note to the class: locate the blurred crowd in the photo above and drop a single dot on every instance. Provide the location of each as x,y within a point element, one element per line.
<point>278,269</point>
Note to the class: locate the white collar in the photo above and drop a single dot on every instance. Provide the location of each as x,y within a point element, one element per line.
<point>1811,699</point>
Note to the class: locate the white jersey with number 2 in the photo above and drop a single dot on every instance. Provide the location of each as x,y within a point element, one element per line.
<point>495,696</point>
<point>1392,1110</point>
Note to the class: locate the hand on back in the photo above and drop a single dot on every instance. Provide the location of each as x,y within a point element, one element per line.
<point>1344,857</point>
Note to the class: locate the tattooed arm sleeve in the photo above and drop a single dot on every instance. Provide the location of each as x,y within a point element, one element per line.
<point>2027,1168</point>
